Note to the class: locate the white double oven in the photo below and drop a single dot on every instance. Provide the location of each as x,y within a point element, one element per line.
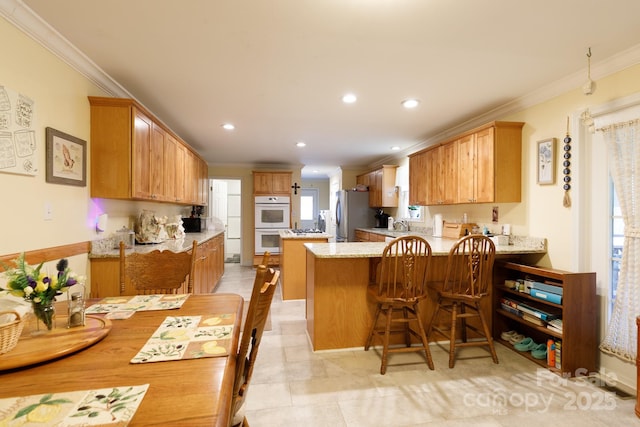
<point>273,213</point>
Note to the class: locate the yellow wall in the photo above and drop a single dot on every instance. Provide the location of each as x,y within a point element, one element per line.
<point>60,96</point>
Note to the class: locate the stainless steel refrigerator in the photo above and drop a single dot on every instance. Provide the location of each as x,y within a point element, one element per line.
<point>352,211</point>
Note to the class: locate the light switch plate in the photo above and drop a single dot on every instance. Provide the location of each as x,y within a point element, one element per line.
<point>48,211</point>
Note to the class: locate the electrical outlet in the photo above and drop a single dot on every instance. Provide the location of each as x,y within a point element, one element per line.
<point>48,211</point>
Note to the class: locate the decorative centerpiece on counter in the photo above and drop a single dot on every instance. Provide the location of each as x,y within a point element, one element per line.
<point>174,227</point>
<point>151,228</point>
<point>40,288</point>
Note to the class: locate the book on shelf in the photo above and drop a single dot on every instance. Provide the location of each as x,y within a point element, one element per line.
<point>510,309</point>
<point>533,319</point>
<point>549,286</point>
<point>543,315</point>
<point>546,296</point>
<point>558,354</point>
<point>555,325</point>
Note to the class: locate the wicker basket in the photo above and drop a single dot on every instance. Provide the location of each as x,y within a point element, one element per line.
<point>10,332</point>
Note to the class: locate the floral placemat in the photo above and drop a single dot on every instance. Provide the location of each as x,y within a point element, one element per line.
<point>138,303</point>
<point>103,407</point>
<point>188,337</point>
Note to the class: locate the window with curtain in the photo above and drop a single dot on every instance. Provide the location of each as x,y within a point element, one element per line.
<point>623,146</point>
<point>617,241</point>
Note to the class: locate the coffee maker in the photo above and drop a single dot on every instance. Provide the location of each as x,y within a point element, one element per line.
<point>382,219</point>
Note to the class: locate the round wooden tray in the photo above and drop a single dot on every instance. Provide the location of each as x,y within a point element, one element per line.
<point>56,343</point>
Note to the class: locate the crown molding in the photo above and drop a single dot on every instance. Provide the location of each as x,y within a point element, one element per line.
<point>604,68</point>
<point>22,17</point>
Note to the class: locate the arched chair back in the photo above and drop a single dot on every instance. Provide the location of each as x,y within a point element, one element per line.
<point>468,275</point>
<point>158,272</point>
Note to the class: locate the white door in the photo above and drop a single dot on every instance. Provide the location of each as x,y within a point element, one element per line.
<point>226,207</point>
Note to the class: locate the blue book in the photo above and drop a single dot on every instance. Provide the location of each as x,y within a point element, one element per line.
<point>546,296</point>
<point>547,288</point>
<point>536,312</point>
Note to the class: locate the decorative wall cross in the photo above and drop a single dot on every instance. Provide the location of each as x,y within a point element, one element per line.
<point>295,187</point>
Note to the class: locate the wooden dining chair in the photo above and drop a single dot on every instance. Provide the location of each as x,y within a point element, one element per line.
<point>400,286</point>
<point>466,284</point>
<point>264,287</point>
<point>158,272</point>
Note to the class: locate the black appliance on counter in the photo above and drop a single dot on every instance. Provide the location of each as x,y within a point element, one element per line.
<point>192,225</point>
<point>382,219</point>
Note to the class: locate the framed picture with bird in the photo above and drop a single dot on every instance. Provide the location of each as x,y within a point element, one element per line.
<point>66,158</point>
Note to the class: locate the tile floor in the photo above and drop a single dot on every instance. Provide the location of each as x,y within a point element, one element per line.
<point>293,386</point>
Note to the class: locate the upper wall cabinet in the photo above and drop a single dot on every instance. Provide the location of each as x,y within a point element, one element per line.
<point>267,183</point>
<point>479,166</point>
<point>134,157</point>
<point>383,192</point>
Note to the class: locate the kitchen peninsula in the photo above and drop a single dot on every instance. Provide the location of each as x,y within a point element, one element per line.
<point>338,313</point>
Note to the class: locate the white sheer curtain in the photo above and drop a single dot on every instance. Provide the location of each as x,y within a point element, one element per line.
<point>623,145</point>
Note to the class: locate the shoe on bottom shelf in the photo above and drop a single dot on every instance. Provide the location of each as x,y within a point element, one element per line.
<point>539,352</point>
<point>526,344</point>
<point>515,339</point>
<point>506,335</point>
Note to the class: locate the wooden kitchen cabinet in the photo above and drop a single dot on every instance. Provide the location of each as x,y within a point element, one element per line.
<point>141,155</point>
<point>209,265</point>
<point>134,157</point>
<point>272,183</point>
<point>293,266</point>
<point>203,183</point>
<point>418,177</point>
<point>170,167</point>
<point>479,166</point>
<point>491,162</point>
<point>366,236</point>
<point>441,165</point>
<point>361,236</point>
<point>383,192</point>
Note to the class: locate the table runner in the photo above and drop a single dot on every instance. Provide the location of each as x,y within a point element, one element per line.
<point>188,337</point>
<point>114,406</point>
<point>138,303</point>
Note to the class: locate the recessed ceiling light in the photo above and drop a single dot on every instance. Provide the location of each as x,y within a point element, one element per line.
<point>410,103</point>
<point>228,126</point>
<point>349,98</point>
<point>395,148</point>
<point>301,144</point>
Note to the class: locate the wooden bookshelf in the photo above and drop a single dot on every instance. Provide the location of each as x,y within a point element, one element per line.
<point>578,311</point>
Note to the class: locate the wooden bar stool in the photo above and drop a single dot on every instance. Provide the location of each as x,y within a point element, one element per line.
<point>400,286</point>
<point>467,278</point>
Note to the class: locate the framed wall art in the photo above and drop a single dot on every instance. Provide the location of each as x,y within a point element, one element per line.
<point>547,161</point>
<point>66,159</point>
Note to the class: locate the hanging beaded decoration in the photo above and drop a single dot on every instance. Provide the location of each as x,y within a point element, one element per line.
<point>566,171</point>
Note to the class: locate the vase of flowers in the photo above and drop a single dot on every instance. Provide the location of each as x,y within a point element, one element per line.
<point>39,288</point>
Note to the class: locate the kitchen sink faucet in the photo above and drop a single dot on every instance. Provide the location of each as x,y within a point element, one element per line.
<point>403,225</point>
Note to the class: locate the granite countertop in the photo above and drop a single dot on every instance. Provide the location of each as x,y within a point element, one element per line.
<point>104,248</point>
<point>439,247</point>
<point>290,234</point>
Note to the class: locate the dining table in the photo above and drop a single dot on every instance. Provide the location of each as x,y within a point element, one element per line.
<point>185,392</point>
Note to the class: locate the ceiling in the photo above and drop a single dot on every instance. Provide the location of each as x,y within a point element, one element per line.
<point>277,69</point>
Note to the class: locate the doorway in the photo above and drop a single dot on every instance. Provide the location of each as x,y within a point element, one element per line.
<point>226,207</point>
<point>309,208</point>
